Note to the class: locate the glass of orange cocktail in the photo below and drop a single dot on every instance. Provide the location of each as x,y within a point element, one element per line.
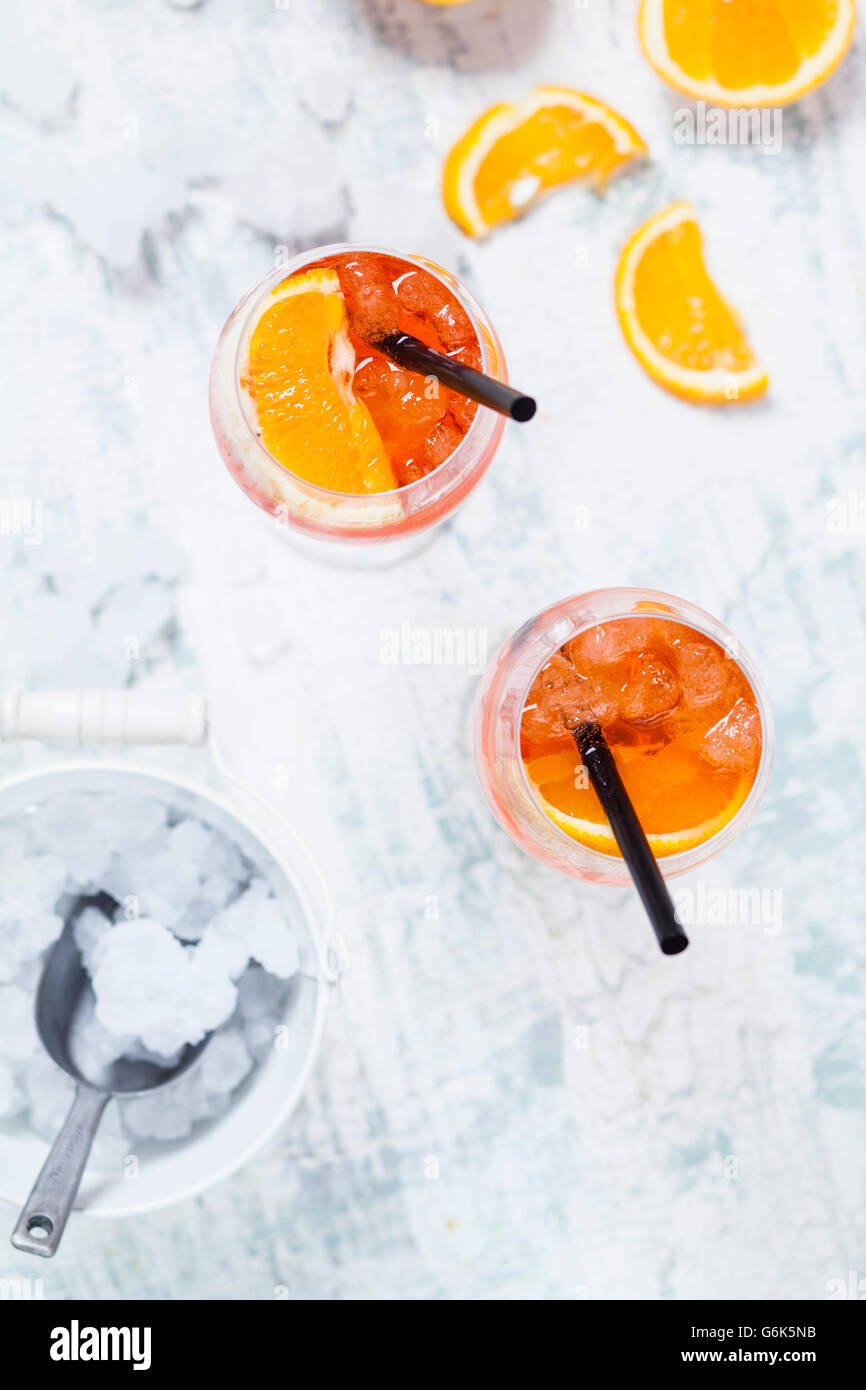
<point>323,431</point>
<point>682,709</point>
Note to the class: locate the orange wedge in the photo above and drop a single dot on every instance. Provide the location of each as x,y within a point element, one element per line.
<point>298,380</point>
<point>663,790</point>
<point>674,319</point>
<point>746,52</point>
<point>513,154</point>
<point>598,835</point>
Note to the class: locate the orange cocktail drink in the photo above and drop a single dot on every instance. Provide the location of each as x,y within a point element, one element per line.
<point>320,428</point>
<point>680,706</point>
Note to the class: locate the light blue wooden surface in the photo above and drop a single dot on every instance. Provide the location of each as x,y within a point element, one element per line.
<point>518,1097</point>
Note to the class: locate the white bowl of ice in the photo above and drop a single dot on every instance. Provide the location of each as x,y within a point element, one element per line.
<point>185,868</point>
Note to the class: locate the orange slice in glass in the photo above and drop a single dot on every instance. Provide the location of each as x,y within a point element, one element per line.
<point>513,154</point>
<point>298,380</point>
<point>674,319</point>
<point>678,804</point>
<point>746,52</point>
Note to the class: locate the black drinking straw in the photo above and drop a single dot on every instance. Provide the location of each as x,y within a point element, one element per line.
<point>415,356</point>
<point>634,846</point>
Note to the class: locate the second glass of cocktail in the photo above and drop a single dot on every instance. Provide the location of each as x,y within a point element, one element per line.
<point>679,702</point>
<point>320,428</point>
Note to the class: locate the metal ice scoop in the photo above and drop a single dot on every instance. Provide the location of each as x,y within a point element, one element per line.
<point>62,986</point>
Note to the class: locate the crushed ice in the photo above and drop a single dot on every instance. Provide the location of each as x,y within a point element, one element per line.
<point>199,945</point>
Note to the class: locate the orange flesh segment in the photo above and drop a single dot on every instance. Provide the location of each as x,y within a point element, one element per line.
<point>680,309</point>
<point>809,22</point>
<point>332,408</point>
<point>745,43</point>
<point>309,419</point>
<point>752,45</point>
<point>552,146</point>
<point>679,716</point>
<point>689,35</point>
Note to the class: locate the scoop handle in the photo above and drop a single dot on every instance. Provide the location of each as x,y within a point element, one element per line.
<point>98,717</point>
<point>46,1211</point>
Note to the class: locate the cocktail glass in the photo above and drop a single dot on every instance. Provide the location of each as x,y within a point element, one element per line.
<point>499,710</point>
<point>312,511</point>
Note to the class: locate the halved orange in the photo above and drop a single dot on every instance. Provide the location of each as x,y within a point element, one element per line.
<point>746,52</point>
<point>668,789</point>
<point>513,154</point>
<point>298,379</point>
<point>674,319</point>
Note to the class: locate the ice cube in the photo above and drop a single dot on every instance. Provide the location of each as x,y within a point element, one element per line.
<point>227,940</point>
<point>138,981</point>
<point>217,994</point>
<point>91,1046</point>
<point>31,883</point>
<point>734,743</point>
<point>171,890</point>
<point>607,643</point>
<point>18,1036</point>
<point>66,825</point>
<point>562,696</point>
<point>224,1063</point>
<point>29,976</point>
<point>91,928</point>
<point>216,890</point>
<point>651,690</point>
<point>196,917</point>
<point>223,858</point>
<point>704,671</point>
<point>148,984</point>
<point>167,1114</point>
<point>23,941</point>
<point>161,884</point>
<point>213,895</point>
<point>41,931</point>
<point>137,1052</point>
<point>190,840</point>
<point>253,927</point>
<point>171,1113</point>
<point>590,698</point>
<point>542,719</point>
<point>126,820</point>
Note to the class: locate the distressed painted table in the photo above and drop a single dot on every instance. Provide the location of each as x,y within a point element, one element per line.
<point>518,1096</point>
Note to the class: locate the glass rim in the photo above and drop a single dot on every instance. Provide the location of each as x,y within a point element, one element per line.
<point>461,460</point>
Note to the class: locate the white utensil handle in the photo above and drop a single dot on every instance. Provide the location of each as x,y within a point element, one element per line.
<point>88,717</point>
